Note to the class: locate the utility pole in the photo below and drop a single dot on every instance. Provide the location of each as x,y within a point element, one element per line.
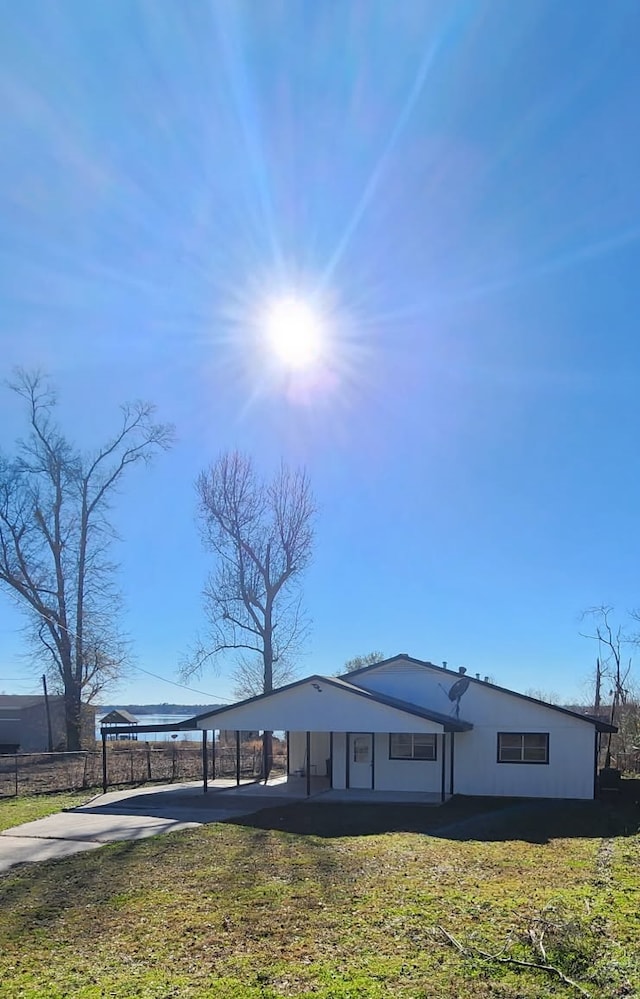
<point>46,706</point>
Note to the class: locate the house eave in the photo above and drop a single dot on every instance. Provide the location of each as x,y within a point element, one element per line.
<point>444,722</point>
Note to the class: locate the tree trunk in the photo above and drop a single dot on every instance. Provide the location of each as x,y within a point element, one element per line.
<point>72,717</point>
<point>267,741</point>
<point>267,754</point>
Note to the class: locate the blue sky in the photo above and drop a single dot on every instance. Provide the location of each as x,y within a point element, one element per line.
<point>457,186</point>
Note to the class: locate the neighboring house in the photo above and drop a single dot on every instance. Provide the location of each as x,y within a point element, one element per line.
<point>119,716</point>
<point>24,727</point>
<point>407,725</point>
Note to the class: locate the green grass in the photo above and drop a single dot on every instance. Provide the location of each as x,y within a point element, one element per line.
<point>15,811</point>
<point>264,909</point>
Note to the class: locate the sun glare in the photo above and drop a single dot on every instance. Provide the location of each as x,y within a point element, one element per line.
<point>294,333</point>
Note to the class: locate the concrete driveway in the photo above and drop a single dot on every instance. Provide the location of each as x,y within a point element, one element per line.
<point>136,814</point>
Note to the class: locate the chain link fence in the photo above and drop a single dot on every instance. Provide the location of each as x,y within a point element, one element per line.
<point>131,764</point>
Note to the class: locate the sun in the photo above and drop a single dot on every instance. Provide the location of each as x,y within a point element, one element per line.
<point>294,332</point>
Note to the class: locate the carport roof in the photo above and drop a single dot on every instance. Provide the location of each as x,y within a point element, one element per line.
<point>448,723</point>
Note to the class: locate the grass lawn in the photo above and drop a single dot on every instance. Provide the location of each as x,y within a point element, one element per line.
<point>15,811</point>
<point>262,908</point>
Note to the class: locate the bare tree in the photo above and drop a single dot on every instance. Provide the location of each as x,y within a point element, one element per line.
<point>611,639</point>
<point>55,537</point>
<point>368,659</point>
<point>261,534</point>
<point>548,696</point>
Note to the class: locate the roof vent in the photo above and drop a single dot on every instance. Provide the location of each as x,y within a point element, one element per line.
<point>444,664</point>
<point>462,670</point>
<point>486,679</point>
<point>477,676</point>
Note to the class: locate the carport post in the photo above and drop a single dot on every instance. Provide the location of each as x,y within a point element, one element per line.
<point>308,764</point>
<point>237,758</point>
<point>104,761</point>
<point>213,755</point>
<point>205,776</point>
<point>451,760</point>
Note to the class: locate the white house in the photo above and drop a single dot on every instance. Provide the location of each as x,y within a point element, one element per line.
<point>407,725</point>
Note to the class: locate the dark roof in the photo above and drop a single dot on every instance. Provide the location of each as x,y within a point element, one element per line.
<point>20,701</point>
<point>602,726</point>
<point>117,715</point>
<point>183,726</point>
<point>449,723</point>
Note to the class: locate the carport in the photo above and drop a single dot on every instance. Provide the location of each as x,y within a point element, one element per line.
<point>342,734</point>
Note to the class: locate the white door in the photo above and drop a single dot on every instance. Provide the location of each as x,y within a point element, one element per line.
<point>360,760</point>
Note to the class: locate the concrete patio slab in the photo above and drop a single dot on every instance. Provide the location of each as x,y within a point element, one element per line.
<point>128,815</point>
<point>102,827</point>
<point>16,850</point>
<point>357,796</point>
<point>141,812</point>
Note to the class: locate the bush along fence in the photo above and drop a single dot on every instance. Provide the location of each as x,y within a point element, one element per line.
<point>130,764</point>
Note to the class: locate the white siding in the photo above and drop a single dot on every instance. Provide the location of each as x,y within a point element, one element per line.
<point>390,775</point>
<point>317,706</point>
<point>406,775</point>
<point>569,773</point>
<point>297,751</point>
<point>340,760</point>
<point>319,752</point>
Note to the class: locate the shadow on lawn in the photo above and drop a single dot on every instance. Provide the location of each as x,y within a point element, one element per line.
<point>190,869</point>
<point>489,820</point>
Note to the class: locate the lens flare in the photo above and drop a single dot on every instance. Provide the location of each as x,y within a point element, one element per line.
<point>294,333</point>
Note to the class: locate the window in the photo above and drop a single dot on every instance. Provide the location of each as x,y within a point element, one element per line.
<point>412,746</point>
<point>361,748</point>
<point>523,747</point>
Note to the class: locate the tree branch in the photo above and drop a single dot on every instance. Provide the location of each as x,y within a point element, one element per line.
<point>551,969</point>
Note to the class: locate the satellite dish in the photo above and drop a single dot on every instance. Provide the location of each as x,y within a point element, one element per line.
<point>456,691</point>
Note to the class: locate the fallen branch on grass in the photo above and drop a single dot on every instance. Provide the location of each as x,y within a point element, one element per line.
<point>470,951</point>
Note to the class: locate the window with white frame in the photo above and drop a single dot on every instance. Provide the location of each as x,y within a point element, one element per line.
<point>412,746</point>
<point>523,747</point>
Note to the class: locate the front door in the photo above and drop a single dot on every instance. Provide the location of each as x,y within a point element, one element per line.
<point>360,760</point>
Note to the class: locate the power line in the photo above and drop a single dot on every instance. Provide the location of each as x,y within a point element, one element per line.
<point>175,683</point>
<point>156,676</point>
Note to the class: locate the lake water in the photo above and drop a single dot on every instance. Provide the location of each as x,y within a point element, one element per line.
<point>162,720</point>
